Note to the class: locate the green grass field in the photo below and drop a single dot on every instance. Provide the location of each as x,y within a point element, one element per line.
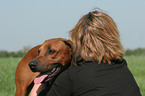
<point>8,67</point>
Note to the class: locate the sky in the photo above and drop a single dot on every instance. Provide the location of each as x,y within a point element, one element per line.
<point>31,22</point>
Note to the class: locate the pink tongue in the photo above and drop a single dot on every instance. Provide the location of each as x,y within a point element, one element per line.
<point>40,79</point>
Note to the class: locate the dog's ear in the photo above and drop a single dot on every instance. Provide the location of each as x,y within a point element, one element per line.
<point>69,43</point>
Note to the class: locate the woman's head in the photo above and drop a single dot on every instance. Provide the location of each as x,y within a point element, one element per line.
<point>96,38</point>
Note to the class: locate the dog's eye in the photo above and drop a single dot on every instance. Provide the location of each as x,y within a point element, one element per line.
<point>38,51</point>
<point>51,51</point>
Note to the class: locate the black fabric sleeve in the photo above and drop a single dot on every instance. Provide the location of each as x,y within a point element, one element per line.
<point>62,86</point>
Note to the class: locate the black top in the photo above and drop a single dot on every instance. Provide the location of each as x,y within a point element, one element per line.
<point>93,79</point>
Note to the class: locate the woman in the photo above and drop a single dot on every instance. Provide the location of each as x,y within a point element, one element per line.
<point>101,69</point>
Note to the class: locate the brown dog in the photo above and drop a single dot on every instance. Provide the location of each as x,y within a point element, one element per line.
<point>43,58</point>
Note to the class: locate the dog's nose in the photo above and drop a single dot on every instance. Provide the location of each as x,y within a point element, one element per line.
<point>33,64</point>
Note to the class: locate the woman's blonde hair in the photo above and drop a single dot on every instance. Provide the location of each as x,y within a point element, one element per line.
<point>96,38</point>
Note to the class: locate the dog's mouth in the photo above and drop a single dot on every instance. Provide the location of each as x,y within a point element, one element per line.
<point>47,76</point>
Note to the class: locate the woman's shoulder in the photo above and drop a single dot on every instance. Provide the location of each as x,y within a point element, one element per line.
<point>81,68</point>
<point>91,69</point>
<point>90,65</point>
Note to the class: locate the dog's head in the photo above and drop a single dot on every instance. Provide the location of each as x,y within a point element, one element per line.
<point>54,55</point>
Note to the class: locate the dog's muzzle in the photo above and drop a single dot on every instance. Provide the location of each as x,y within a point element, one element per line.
<point>33,65</point>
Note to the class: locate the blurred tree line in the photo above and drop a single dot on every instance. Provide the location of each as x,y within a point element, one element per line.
<point>21,53</point>
<point>138,51</point>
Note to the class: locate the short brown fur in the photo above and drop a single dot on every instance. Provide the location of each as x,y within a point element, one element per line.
<point>24,76</point>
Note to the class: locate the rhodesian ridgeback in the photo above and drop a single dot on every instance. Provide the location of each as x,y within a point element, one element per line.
<point>52,57</point>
